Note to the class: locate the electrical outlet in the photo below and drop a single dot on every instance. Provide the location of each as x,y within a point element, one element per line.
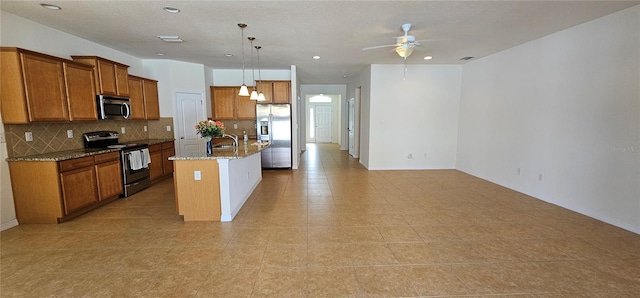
<point>28,136</point>
<point>235,126</point>
<point>197,175</point>
<point>168,127</point>
<point>69,133</point>
<point>145,128</point>
<point>123,130</point>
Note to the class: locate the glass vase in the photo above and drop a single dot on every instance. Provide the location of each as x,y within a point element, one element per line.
<point>209,147</point>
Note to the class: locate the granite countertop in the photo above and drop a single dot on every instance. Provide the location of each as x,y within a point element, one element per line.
<point>77,153</point>
<point>241,151</point>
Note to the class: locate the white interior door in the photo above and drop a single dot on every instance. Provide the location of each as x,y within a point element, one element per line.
<point>190,111</point>
<point>323,123</point>
<point>350,128</point>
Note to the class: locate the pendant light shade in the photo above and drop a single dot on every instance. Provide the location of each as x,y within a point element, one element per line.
<point>254,93</point>
<point>243,89</point>
<point>260,94</point>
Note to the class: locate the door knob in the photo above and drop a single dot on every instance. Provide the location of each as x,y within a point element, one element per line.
<point>182,138</point>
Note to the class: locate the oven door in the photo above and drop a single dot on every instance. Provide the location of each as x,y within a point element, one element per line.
<point>129,174</point>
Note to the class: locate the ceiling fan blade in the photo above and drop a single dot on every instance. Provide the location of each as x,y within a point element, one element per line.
<point>377,47</point>
<point>432,39</point>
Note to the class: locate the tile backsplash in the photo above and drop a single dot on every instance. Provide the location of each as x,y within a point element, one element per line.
<point>51,137</point>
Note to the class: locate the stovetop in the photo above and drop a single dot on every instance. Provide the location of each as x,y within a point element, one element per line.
<point>108,139</point>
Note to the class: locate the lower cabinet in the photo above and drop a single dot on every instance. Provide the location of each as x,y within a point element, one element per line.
<point>51,192</point>
<point>160,166</point>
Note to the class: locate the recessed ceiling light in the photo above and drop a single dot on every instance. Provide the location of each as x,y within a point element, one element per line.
<point>228,55</point>
<point>160,54</point>
<point>344,76</point>
<point>316,57</point>
<point>50,6</point>
<point>428,58</point>
<point>171,9</point>
<point>170,38</point>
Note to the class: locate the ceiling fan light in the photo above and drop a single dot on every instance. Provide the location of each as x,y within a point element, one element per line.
<point>261,97</point>
<point>404,50</point>
<point>254,95</point>
<point>243,90</point>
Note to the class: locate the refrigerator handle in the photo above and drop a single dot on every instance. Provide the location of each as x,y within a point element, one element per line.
<point>270,129</point>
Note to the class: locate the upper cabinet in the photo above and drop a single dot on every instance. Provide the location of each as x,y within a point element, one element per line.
<point>144,98</point>
<point>275,91</point>
<point>228,105</point>
<point>41,88</point>
<point>111,78</point>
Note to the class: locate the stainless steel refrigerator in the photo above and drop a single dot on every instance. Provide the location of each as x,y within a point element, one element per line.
<point>274,125</point>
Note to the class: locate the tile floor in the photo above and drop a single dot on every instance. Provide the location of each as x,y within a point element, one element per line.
<point>329,229</point>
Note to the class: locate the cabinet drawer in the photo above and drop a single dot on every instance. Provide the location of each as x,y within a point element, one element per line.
<point>75,163</point>
<point>167,145</point>
<point>100,158</point>
<point>155,147</point>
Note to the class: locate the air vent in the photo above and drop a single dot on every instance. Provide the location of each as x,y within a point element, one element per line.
<point>466,58</point>
<point>170,38</point>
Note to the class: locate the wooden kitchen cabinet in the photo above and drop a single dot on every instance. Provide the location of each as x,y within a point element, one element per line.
<point>108,175</point>
<point>275,91</point>
<point>136,97</point>
<point>78,184</point>
<point>41,88</point>
<point>167,151</point>
<point>52,192</point>
<point>80,92</point>
<point>151,101</point>
<point>143,94</point>
<point>228,105</point>
<point>111,78</point>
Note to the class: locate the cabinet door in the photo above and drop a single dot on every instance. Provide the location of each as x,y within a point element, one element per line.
<point>122,80</point>
<point>167,151</point>
<point>109,177</point>
<point>137,98</point>
<point>245,108</point>
<point>223,102</point>
<point>80,92</point>
<point>44,82</point>
<point>78,188</point>
<point>107,78</point>
<point>267,89</point>
<point>155,167</point>
<point>151,104</point>
<point>281,92</point>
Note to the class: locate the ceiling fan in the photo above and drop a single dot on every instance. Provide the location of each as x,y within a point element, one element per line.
<point>404,44</point>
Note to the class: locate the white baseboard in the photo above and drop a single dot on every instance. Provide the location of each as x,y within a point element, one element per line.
<point>8,225</point>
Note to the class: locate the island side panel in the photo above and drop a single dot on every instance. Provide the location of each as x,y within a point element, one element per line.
<point>239,178</point>
<point>197,200</point>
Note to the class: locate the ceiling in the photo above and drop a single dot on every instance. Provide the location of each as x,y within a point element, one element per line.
<point>292,32</point>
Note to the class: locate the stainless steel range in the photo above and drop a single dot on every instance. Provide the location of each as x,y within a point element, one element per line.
<point>134,159</point>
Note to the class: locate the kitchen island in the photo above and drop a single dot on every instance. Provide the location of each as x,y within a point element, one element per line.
<point>214,187</point>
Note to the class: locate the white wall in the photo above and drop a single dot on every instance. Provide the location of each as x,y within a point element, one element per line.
<point>339,109</point>
<point>363,110</point>
<point>19,32</point>
<point>567,107</point>
<point>208,81</point>
<point>7,208</point>
<point>414,121</point>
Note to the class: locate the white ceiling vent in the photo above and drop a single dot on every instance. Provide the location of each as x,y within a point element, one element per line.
<point>170,38</point>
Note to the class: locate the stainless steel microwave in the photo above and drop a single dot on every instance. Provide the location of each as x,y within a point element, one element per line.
<point>113,108</point>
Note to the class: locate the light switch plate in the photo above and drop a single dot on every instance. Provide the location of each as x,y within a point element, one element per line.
<point>69,133</point>
<point>123,130</point>
<point>145,128</point>
<point>168,128</point>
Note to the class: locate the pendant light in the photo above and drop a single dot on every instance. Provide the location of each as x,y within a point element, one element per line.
<point>260,94</point>
<point>254,93</point>
<point>243,89</point>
